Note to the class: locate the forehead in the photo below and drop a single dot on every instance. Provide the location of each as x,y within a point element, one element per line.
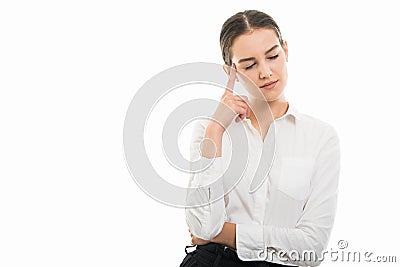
<point>254,42</point>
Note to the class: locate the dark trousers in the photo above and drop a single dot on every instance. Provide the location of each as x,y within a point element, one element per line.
<point>217,255</point>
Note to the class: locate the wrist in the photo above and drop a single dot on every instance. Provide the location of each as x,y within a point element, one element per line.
<point>215,128</point>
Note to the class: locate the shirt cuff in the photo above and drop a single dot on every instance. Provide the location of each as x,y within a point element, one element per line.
<point>250,242</point>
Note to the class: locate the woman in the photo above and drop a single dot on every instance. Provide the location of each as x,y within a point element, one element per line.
<point>287,220</point>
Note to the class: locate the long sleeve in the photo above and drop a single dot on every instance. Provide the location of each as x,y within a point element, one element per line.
<point>205,211</point>
<point>312,231</point>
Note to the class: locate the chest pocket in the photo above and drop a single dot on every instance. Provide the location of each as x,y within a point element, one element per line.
<point>295,177</point>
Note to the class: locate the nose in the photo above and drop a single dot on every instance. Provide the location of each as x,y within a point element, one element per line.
<point>264,71</point>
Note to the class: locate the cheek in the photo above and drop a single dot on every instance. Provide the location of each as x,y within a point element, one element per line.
<point>284,71</point>
<point>249,76</point>
<point>280,67</point>
<point>253,74</point>
<point>249,80</point>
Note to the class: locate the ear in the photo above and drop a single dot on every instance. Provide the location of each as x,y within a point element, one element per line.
<point>285,48</point>
<point>227,70</point>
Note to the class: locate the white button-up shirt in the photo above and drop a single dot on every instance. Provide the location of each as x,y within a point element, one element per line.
<point>294,208</point>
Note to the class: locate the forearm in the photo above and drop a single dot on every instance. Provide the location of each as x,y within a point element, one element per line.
<point>205,210</point>
<point>227,236</point>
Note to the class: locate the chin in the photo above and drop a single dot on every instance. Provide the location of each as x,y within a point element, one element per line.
<point>273,96</point>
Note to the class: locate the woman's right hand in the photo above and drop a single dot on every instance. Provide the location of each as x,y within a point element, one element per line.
<point>231,106</point>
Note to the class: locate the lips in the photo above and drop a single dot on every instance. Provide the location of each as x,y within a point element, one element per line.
<point>269,85</point>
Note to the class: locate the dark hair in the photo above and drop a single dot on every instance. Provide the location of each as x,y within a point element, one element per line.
<point>241,23</point>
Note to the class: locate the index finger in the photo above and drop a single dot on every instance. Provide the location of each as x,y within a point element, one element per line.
<point>231,81</point>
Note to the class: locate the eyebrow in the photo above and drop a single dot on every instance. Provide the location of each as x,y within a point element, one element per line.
<point>253,58</point>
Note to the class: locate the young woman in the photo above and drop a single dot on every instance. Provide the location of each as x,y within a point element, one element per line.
<point>287,220</point>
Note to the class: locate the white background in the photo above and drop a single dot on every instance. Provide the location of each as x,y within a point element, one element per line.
<point>69,69</point>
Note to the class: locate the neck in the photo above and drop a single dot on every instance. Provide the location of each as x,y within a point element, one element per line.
<point>263,113</point>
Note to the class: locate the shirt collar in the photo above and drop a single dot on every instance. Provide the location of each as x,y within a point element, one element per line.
<point>291,111</point>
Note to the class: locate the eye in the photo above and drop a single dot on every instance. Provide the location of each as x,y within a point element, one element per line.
<point>274,57</point>
<point>249,67</point>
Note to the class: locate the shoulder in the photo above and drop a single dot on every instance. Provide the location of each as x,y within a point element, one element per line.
<point>314,123</point>
<point>309,124</point>
<point>316,128</point>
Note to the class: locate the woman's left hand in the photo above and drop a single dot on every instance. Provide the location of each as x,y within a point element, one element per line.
<point>198,241</point>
